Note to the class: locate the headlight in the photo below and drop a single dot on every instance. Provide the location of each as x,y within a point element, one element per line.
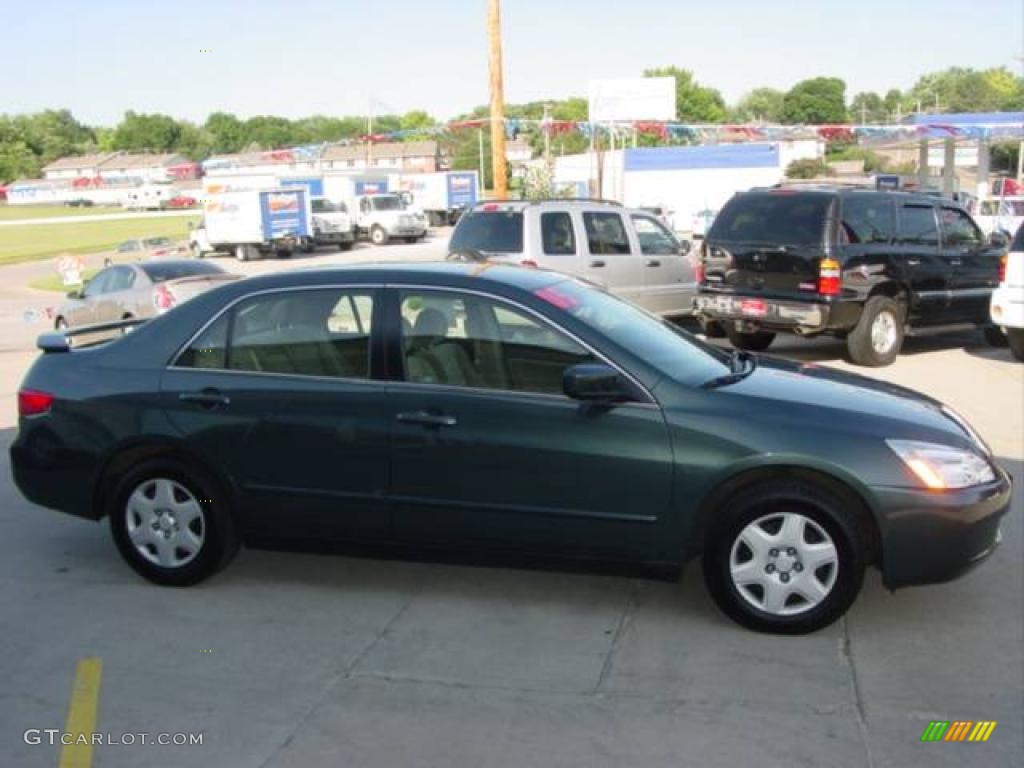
<point>942,467</point>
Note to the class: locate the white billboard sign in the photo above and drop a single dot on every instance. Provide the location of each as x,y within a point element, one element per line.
<point>638,98</point>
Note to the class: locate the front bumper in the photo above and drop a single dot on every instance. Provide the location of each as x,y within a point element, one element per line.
<point>800,316</point>
<point>930,537</point>
<point>334,237</point>
<point>1008,307</point>
<point>407,231</point>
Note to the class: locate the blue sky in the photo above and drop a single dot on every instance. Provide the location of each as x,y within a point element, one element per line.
<point>299,57</point>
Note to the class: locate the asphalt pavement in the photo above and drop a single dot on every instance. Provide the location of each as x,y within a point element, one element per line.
<point>307,660</point>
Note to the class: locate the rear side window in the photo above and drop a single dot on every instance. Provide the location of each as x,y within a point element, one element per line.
<point>209,349</point>
<point>958,229</point>
<point>918,226</point>
<point>491,231</point>
<point>557,233</point>
<point>783,217</point>
<point>606,233</point>
<point>868,219</point>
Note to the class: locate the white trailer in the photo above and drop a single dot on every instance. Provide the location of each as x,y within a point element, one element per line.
<point>441,196</point>
<point>250,222</point>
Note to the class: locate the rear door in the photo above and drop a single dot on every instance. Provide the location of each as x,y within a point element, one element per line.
<point>769,243</point>
<point>975,266</point>
<point>611,257</point>
<point>925,268</point>
<point>669,276</point>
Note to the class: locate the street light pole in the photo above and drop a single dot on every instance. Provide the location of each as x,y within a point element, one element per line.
<point>498,159</point>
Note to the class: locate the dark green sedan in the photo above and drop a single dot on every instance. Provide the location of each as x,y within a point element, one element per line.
<point>498,411</point>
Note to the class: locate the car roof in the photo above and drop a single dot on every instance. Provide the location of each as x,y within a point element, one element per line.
<point>825,190</point>
<point>554,202</point>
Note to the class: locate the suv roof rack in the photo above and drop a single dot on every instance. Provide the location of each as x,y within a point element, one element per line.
<point>540,200</point>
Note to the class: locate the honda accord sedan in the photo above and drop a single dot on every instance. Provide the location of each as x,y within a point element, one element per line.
<point>496,410</point>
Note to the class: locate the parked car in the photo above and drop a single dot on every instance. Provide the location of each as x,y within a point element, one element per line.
<point>862,265</point>
<point>631,253</point>
<point>137,291</point>
<point>81,202</point>
<point>148,248</point>
<point>1000,214</point>
<point>180,201</point>
<point>1008,299</point>
<point>500,409</point>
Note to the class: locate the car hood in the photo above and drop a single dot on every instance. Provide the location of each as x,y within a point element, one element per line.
<point>853,399</point>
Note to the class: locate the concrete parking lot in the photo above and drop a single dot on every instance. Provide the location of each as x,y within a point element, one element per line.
<point>301,660</point>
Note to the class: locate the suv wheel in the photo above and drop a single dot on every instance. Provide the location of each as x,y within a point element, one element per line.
<point>754,342</point>
<point>878,336</point>
<point>1015,336</point>
<point>784,558</point>
<point>171,524</point>
<point>994,336</point>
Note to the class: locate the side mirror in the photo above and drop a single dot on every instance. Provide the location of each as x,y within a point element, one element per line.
<point>998,240</point>
<point>595,382</point>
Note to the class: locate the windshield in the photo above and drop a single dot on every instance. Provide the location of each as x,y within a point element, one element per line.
<point>490,231</point>
<point>387,203</point>
<point>673,351</point>
<point>326,206</point>
<point>157,242</point>
<point>783,217</point>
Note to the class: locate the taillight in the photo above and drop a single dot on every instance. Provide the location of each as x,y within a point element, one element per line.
<point>829,278</point>
<point>1002,267</point>
<point>32,402</point>
<point>698,270</point>
<point>528,263</point>
<point>163,299</point>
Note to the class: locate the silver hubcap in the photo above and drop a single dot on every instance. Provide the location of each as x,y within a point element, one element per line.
<point>883,332</point>
<point>784,564</point>
<point>165,522</point>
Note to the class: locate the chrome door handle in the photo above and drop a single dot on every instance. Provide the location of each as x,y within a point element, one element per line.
<point>597,262</point>
<point>427,419</point>
<point>913,262</point>
<point>653,263</point>
<point>207,398</point>
<point>956,262</point>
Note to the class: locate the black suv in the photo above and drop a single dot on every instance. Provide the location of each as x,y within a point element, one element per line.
<point>863,265</point>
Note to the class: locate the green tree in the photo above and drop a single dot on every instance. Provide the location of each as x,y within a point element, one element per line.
<point>416,120</point>
<point>227,132</point>
<point>269,132</point>
<point>868,107</point>
<point>961,89</point>
<point>808,168</point>
<point>815,101</point>
<point>55,133</point>
<point>764,104</point>
<point>694,102</point>
<point>147,133</point>
<point>893,104</point>
<point>17,160</point>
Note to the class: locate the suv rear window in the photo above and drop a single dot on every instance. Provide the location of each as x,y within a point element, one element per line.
<point>491,231</point>
<point>786,218</point>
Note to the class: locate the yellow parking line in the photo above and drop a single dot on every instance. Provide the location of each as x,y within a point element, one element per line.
<point>85,695</point>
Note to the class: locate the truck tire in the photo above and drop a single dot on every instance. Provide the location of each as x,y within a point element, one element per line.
<point>283,253</point>
<point>753,342</point>
<point>877,338</point>
<point>242,252</point>
<point>994,336</point>
<point>197,252</point>
<point>378,235</point>
<point>1015,336</point>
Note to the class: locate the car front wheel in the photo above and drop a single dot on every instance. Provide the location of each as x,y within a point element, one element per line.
<point>784,558</point>
<point>171,524</point>
<point>1015,337</point>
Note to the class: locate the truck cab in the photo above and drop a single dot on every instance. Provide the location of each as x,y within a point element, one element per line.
<point>385,217</point>
<point>332,224</point>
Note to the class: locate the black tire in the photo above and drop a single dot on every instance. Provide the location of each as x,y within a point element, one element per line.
<point>219,538</point>
<point>345,246</point>
<point>378,235</point>
<point>60,324</point>
<point>283,253</point>
<point>754,342</point>
<point>828,514</point>
<point>712,329</point>
<point>995,337</point>
<point>860,343</point>
<point>1015,338</point>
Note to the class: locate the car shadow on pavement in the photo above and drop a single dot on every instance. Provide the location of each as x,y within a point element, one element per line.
<point>828,349</point>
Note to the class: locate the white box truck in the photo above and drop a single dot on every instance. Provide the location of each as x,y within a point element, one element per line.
<point>248,223</point>
<point>441,196</point>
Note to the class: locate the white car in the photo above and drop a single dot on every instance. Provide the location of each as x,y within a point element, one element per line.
<point>1000,214</point>
<point>1008,298</point>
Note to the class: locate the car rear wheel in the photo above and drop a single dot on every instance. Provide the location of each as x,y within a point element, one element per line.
<point>877,338</point>
<point>1015,337</point>
<point>994,336</point>
<point>171,523</point>
<point>785,558</point>
<point>754,342</point>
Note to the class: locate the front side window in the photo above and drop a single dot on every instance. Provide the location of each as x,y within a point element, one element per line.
<point>958,230</point>
<point>917,225</point>
<point>469,341</point>
<point>606,234</point>
<point>128,247</point>
<point>557,233</point>
<point>867,219</point>
<point>654,238</point>
<point>324,333</point>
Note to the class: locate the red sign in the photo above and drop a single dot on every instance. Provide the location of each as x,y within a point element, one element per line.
<point>754,307</point>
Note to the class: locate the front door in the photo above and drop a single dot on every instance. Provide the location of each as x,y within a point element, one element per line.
<point>922,264</point>
<point>279,393</point>
<point>975,266</point>
<point>486,449</point>
<point>610,258</point>
<point>670,281</point>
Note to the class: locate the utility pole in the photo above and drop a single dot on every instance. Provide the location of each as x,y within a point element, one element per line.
<point>498,159</point>
<point>483,169</point>
<point>369,131</point>
<point>546,127</point>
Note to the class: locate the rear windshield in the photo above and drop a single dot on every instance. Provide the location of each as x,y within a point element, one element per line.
<point>158,273</point>
<point>785,218</point>
<point>490,231</point>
